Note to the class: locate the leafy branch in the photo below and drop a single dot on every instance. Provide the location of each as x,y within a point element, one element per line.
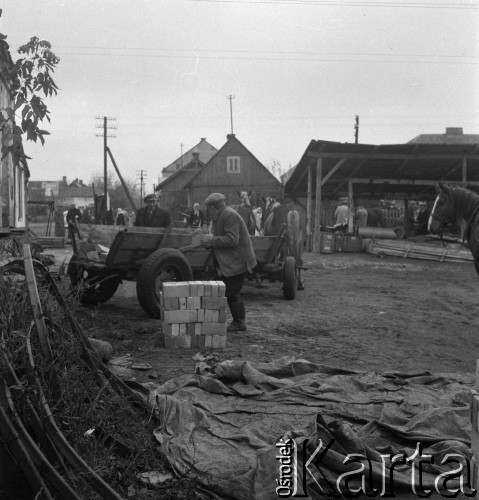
<point>30,76</point>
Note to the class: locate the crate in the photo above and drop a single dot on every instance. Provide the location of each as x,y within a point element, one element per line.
<point>338,242</point>
<point>352,243</point>
<point>326,243</point>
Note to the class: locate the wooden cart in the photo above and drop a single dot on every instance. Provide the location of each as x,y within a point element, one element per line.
<point>151,257</point>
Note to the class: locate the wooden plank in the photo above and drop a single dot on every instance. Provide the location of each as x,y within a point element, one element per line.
<point>406,182</point>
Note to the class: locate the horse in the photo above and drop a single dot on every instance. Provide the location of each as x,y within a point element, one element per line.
<point>287,214</point>
<point>376,217</point>
<point>246,212</point>
<point>457,203</point>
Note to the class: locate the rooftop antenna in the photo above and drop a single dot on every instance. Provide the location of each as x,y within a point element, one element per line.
<point>231,97</point>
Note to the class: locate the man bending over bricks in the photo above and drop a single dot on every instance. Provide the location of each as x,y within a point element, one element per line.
<point>233,254</point>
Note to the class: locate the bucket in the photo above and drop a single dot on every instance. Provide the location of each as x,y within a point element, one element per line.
<point>326,243</point>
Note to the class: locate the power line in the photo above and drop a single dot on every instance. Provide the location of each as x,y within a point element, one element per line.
<point>342,3</point>
<point>268,52</point>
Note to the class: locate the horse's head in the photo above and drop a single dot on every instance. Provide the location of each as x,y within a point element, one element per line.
<point>244,198</point>
<point>442,210</point>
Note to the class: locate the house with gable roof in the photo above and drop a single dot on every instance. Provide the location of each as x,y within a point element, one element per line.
<point>203,151</point>
<point>232,169</point>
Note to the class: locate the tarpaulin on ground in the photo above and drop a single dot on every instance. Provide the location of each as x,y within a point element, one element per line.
<point>342,430</point>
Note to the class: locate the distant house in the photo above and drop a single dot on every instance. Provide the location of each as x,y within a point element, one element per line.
<point>62,192</point>
<point>13,175</point>
<point>233,168</point>
<point>204,151</point>
<point>453,135</point>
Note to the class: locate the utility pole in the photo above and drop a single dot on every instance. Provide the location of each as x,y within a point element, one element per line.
<point>142,175</point>
<point>356,129</point>
<point>105,135</point>
<point>181,155</point>
<point>231,97</point>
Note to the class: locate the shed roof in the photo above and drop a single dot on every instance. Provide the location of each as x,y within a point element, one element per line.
<point>401,170</point>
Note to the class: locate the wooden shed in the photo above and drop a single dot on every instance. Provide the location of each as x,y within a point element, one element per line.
<point>233,168</point>
<point>328,170</point>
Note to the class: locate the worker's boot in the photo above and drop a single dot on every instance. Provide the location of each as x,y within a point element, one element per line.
<point>238,312</point>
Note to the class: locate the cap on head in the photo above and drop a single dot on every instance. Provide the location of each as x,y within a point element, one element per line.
<point>150,197</point>
<point>214,197</point>
<point>196,205</point>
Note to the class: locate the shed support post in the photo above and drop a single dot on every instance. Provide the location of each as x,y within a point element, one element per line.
<point>464,172</point>
<point>308,207</point>
<point>350,207</point>
<point>317,213</point>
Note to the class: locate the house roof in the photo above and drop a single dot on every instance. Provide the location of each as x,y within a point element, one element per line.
<point>230,137</point>
<point>204,149</point>
<point>187,172</point>
<point>402,170</point>
<point>453,135</point>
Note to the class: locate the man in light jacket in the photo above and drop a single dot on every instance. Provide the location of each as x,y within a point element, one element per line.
<point>233,252</point>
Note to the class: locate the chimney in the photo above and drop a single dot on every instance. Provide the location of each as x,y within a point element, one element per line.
<point>64,179</point>
<point>81,182</point>
<point>203,139</point>
<point>230,136</point>
<point>454,131</point>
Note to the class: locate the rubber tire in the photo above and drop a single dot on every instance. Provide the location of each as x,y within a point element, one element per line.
<point>91,293</point>
<point>167,261</point>
<point>289,278</point>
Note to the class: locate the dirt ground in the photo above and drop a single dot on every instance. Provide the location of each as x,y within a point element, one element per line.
<point>357,310</point>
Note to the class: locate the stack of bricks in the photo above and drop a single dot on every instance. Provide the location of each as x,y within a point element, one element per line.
<point>193,314</point>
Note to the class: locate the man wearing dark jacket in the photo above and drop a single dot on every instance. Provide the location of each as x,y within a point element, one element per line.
<point>152,215</point>
<point>233,252</point>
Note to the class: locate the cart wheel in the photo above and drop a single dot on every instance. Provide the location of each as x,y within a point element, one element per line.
<point>289,278</point>
<point>90,288</point>
<point>166,264</point>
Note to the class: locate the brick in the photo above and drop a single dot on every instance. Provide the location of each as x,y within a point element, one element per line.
<point>171,330</point>
<point>214,329</point>
<point>200,341</point>
<point>181,316</point>
<point>215,343</point>
<point>214,302</point>
<point>207,292</point>
<point>193,289</point>
<point>176,289</point>
<point>193,303</point>
<point>214,288</point>
<point>208,315</point>
<point>222,344</point>
<point>201,288</point>
<point>198,328</point>
<point>222,316</point>
<point>208,340</point>
<point>221,288</point>
<point>215,314</point>
<point>183,328</point>
<point>190,329</point>
<point>200,315</point>
<point>170,303</point>
<point>193,341</point>
<point>182,303</point>
<point>175,342</point>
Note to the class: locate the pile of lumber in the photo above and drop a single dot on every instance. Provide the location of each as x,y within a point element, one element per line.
<point>425,251</point>
<point>49,241</point>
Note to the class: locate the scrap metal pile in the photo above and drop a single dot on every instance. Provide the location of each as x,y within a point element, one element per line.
<point>55,392</point>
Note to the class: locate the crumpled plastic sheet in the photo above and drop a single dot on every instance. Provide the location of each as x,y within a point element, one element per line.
<point>223,426</point>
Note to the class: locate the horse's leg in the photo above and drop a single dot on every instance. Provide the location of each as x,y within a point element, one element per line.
<point>476,264</point>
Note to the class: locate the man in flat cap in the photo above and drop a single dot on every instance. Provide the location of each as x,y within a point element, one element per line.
<point>233,253</point>
<point>152,215</point>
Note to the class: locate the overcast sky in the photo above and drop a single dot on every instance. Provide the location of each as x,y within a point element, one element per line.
<point>298,70</point>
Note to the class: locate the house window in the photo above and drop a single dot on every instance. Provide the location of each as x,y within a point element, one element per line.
<point>232,164</point>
